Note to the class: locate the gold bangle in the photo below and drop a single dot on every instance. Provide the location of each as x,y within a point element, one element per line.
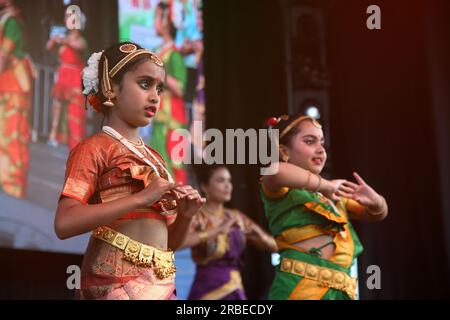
<point>320,183</point>
<point>203,235</point>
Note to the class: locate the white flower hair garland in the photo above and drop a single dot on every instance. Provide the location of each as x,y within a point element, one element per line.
<point>90,74</point>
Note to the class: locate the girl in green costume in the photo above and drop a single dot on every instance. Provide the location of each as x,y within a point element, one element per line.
<point>309,216</point>
<point>172,114</point>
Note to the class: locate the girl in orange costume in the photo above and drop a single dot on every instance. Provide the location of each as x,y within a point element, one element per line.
<point>120,189</point>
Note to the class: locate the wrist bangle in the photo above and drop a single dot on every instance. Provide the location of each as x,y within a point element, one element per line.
<point>203,235</point>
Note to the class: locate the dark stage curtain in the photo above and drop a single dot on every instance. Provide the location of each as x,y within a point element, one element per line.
<point>385,104</point>
<point>244,85</point>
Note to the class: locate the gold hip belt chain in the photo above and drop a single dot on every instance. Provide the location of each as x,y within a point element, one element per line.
<point>325,276</point>
<point>138,253</point>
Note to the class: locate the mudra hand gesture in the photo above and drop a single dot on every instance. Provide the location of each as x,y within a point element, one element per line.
<point>188,200</point>
<point>362,193</point>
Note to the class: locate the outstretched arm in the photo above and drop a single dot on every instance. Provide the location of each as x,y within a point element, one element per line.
<point>292,176</point>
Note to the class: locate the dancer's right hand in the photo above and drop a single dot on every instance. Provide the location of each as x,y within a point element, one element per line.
<point>331,189</point>
<point>154,191</point>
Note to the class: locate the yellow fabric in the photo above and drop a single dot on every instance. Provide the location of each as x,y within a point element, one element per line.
<point>345,246</point>
<point>353,206</point>
<point>343,241</point>
<point>308,289</point>
<point>318,208</point>
<point>221,249</point>
<point>298,234</point>
<point>274,195</point>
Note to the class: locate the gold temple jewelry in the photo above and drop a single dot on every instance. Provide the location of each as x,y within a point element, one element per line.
<point>297,121</point>
<point>130,56</point>
<point>131,51</point>
<point>327,277</point>
<point>168,204</point>
<point>106,85</point>
<point>128,48</point>
<point>140,254</point>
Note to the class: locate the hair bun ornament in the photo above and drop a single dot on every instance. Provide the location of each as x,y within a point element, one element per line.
<point>90,74</point>
<point>273,121</point>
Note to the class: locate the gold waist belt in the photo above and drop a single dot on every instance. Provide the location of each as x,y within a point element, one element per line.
<point>138,253</point>
<point>325,276</point>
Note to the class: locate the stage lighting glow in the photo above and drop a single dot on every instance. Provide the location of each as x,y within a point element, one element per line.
<point>313,112</point>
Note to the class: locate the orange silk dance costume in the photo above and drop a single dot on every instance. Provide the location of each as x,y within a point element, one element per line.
<point>101,169</point>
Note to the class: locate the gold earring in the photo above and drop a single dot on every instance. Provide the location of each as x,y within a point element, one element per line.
<point>285,158</point>
<point>108,103</point>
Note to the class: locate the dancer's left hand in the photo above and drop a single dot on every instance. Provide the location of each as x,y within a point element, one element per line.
<point>361,192</point>
<point>190,202</point>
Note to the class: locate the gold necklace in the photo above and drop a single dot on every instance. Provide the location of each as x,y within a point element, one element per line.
<point>113,133</point>
<point>217,214</point>
<point>139,144</point>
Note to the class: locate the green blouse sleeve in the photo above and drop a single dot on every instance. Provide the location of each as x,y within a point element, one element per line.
<point>13,32</point>
<point>177,69</point>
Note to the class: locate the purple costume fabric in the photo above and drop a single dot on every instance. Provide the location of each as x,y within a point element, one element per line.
<point>216,273</point>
